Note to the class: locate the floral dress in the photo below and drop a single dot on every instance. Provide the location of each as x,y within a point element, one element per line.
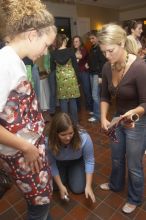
<point>67,85</point>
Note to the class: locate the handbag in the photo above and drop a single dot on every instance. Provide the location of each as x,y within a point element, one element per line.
<point>5,182</point>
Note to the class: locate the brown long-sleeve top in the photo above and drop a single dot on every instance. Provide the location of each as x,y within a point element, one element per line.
<point>131,91</point>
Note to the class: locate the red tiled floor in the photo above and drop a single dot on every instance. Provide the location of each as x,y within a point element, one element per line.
<point>108,204</point>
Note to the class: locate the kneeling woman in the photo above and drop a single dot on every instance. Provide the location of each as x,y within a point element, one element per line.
<point>72,157</point>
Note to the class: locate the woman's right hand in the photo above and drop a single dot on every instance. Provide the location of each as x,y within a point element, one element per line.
<point>32,158</point>
<point>63,191</point>
<point>105,124</point>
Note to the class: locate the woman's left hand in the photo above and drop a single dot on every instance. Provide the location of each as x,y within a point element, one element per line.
<point>89,193</point>
<point>127,115</point>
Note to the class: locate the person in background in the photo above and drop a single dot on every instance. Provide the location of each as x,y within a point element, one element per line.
<point>63,62</point>
<point>124,79</point>
<point>29,64</point>
<point>95,61</point>
<point>82,59</point>
<point>51,79</point>
<point>71,156</point>
<point>30,29</point>
<point>135,30</point>
<point>33,75</point>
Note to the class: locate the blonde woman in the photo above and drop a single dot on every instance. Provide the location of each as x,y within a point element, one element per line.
<point>124,79</point>
<point>29,29</point>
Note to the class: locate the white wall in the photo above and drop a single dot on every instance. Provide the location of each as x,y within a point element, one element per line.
<point>83,25</point>
<point>132,14</point>
<point>64,10</point>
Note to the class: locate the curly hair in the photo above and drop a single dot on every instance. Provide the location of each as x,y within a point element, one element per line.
<point>18,16</point>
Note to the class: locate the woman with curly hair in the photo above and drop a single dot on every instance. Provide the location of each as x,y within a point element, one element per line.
<point>29,29</point>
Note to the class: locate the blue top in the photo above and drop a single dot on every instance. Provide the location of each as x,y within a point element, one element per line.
<point>67,153</point>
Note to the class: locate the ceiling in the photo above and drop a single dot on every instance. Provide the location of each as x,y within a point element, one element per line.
<point>119,4</point>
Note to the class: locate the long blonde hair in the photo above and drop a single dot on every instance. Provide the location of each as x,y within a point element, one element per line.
<point>115,34</point>
<point>18,16</point>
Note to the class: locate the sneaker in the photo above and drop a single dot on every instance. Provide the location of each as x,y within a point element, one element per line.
<point>105,186</point>
<point>128,208</point>
<point>92,119</point>
<point>91,113</point>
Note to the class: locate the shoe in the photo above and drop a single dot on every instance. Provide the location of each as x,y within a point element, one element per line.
<point>92,119</point>
<point>105,186</point>
<point>91,113</point>
<point>128,208</point>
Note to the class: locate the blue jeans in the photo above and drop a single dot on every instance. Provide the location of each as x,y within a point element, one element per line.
<point>38,212</point>
<point>52,86</point>
<point>84,80</point>
<point>95,95</point>
<point>69,106</point>
<point>72,174</point>
<point>130,147</point>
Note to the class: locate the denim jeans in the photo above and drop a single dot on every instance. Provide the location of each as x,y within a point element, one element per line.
<point>72,174</point>
<point>95,95</point>
<point>130,147</point>
<point>69,106</point>
<point>84,80</point>
<point>52,86</point>
<point>38,212</point>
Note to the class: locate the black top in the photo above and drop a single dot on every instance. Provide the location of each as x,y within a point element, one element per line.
<point>96,60</point>
<point>131,92</point>
<point>61,57</point>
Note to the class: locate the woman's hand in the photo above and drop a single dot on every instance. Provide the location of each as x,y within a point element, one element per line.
<point>127,123</point>
<point>89,193</point>
<point>32,158</point>
<point>78,55</point>
<point>105,124</point>
<point>63,192</point>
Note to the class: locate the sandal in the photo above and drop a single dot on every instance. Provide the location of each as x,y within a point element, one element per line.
<point>105,186</point>
<point>128,208</point>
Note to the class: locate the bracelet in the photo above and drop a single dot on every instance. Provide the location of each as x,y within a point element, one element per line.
<point>134,117</point>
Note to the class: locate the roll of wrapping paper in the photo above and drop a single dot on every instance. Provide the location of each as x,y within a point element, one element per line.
<point>131,118</point>
<point>111,132</point>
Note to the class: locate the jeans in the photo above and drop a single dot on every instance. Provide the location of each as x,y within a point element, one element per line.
<point>95,95</point>
<point>38,212</point>
<point>130,147</point>
<point>84,79</point>
<point>72,173</point>
<point>52,86</point>
<point>70,106</point>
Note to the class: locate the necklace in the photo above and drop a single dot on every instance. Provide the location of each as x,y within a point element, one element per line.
<point>120,68</point>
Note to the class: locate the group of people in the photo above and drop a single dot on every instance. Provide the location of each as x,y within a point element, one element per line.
<point>76,71</point>
<point>68,153</point>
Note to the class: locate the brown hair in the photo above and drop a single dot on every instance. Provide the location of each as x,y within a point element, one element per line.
<point>80,39</point>
<point>18,16</point>
<point>132,24</point>
<point>93,33</point>
<point>61,122</point>
<point>59,40</point>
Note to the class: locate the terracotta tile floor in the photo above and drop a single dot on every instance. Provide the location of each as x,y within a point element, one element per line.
<point>108,204</point>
